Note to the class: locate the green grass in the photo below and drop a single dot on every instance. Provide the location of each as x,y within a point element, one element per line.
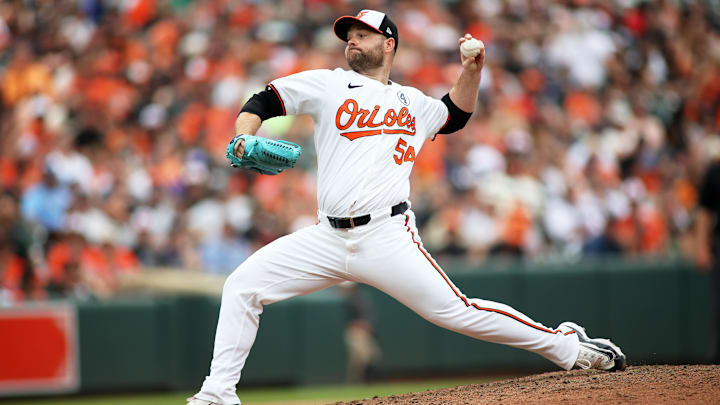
<point>309,395</point>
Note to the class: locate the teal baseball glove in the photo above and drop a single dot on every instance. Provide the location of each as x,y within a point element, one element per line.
<point>263,155</point>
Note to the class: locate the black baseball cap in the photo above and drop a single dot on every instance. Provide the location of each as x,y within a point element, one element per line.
<point>374,20</point>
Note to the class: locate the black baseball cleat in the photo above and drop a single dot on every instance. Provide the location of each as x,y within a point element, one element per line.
<point>601,354</point>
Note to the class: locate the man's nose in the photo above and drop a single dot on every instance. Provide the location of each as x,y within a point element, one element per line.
<point>352,41</point>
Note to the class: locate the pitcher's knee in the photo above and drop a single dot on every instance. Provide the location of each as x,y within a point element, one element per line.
<point>233,280</point>
<point>446,322</point>
<point>240,283</point>
<point>447,317</point>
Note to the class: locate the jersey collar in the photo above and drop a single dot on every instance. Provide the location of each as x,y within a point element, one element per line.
<point>366,79</point>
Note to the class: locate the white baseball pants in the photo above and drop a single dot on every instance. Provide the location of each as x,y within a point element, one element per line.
<point>387,254</point>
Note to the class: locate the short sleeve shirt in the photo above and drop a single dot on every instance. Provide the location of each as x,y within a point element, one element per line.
<point>367,135</point>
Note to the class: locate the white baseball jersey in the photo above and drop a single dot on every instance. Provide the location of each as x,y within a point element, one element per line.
<point>367,135</point>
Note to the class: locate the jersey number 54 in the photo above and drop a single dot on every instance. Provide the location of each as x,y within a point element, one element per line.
<point>405,153</point>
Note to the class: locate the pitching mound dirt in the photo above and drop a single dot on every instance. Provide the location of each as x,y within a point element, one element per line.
<point>636,385</point>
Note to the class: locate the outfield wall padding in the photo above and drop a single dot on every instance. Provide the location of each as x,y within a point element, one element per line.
<point>657,311</point>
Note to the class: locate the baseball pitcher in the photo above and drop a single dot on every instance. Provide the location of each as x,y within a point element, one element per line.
<point>368,132</point>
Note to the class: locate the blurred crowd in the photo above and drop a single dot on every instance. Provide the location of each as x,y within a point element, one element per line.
<point>595,122</point>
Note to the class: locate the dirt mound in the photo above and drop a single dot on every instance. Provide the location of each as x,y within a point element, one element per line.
<point>636,385</point>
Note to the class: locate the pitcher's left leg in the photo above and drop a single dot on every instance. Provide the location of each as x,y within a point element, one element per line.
<point>396,262</point>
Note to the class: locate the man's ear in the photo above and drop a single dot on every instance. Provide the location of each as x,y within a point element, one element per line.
<point>389,44</point>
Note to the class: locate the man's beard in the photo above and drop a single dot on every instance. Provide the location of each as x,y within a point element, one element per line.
<point>361,61</point>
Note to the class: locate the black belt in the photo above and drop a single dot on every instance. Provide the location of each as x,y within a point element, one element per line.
<point>344,223</point>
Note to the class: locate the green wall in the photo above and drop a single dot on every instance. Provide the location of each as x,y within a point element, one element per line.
<point>656,311</point>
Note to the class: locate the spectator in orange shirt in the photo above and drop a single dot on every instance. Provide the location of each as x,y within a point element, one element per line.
<point>66,274</point>
<point>18,280</point>
<point>101,266</point>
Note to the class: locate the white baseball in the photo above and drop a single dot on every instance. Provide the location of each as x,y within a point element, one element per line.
<point>471,47</point>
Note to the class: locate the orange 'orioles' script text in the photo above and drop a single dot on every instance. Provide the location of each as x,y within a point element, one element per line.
<point>349,113</point>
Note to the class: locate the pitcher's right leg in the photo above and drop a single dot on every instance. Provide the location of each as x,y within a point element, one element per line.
<point>300,263</point>
<point>409,274</point>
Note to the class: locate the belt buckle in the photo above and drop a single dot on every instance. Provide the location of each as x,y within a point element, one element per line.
<point>352,222</point>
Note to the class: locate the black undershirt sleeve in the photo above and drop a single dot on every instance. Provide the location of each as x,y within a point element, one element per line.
<point>457,118</point>
<point>265,104</point>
